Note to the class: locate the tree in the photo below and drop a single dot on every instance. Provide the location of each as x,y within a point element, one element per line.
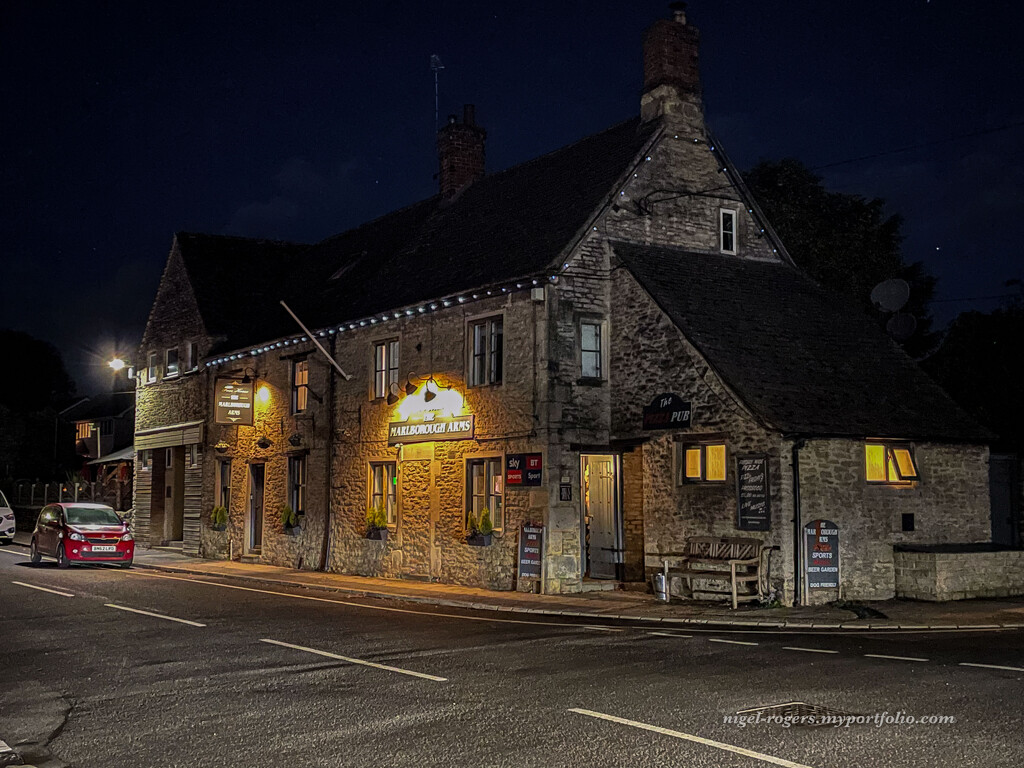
<point>845,242</point>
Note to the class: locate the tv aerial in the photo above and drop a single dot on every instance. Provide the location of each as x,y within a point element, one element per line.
<point>891,296</point>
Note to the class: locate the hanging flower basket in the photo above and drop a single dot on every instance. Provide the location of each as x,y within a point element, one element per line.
<point>479,539</point>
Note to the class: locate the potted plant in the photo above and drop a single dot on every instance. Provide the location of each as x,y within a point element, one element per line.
<point>480,530</point>
<point>290,521</point>
<point>377,523</point>
<point>219,518</point>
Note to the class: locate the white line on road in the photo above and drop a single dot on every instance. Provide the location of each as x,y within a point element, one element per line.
<point>350,660</point>
<point>690,737</point>
<point>992,666</point>
<point>43,589</point>
<point>808,650</point>
<point>154,615</point>
<point>668,634</point>
<point>894,658</point>
<point>731,642</point>
<point>602,629</point>
<point>16,554</point>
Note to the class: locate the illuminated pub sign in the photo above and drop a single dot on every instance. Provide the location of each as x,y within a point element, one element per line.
<point>667,411</point>
<point>431,413</point>
<point>438,428</point>
<point>234,403</point>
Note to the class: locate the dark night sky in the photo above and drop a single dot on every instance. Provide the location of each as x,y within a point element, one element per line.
<point>125,122</point>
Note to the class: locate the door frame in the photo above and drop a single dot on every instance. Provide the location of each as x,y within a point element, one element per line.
<point>617,517</point>
<point>248,546</point>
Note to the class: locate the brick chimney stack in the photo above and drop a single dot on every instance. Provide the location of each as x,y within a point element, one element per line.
<point>671,70</point>
<point>460,151</point>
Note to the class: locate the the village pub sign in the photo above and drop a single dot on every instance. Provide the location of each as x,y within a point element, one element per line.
<point>441,428</point>
<point>234,403</point>
<point>667,411</point>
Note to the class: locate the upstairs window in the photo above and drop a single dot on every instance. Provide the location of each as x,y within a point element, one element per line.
<point>727,230</point>
<point>384,489</point>
<point>591,343</point>
<point>704,463</point>
<point>191,356</point>
<point>385,366</point>
<point>171,363</point>
<point>151,368</point>
<point>300,386</point>
<point>890,463</point>
<point>486,351</point>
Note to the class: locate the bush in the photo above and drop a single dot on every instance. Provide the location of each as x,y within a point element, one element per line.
<point>376,517</point>
<point>288,517</point>
<point>218,516</point>
<point>486,526</point>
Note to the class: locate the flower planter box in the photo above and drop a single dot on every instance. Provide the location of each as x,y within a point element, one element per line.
<point>223,527</point>
<point>293,530</point>
<point>479,540</point>
<point>377,534</point>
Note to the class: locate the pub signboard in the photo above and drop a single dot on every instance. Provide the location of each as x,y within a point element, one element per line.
<point>667,411</point>
<point>531,542</point>
<point>753,509</point>
<point>523,470</point>
<point>234,403</point>
<point>821,554</point>
<point>438,428</point>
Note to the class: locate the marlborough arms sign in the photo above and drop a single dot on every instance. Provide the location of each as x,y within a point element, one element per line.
<point>234,402</point>
<point>440,428</point>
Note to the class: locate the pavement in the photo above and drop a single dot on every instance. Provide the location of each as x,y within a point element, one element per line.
<point>619,605</point>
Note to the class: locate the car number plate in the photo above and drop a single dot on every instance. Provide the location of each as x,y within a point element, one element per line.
<point>103,548</point>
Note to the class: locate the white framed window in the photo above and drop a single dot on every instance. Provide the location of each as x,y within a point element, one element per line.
<point>486,351</point>
<point>700,463</point>
<point>297,484</point>
<point>591,349</point>
<point>171,368</point>
<point>191,356</point>
<point>151,367</point>
<point>300,386</point>
<point>146,457</point>
<point>727,230</point>
<point>384,489</point>
<point>890,464</point>
<point>385,366</point>
<point>485,489</point>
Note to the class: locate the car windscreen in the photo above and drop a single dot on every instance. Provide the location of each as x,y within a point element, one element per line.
<point>91,516</point>
<point>3,500</point>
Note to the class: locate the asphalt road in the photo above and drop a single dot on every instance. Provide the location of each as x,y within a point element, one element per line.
<point>268,677</point>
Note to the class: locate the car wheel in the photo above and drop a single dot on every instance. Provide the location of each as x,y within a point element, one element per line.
<point>62,557</point>
<point>126,564</point>
<point>33,553</point>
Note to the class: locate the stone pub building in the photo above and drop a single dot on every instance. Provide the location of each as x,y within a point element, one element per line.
<point>606,342</point>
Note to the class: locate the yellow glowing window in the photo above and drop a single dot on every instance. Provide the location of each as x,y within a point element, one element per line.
<point>887,463</point>
<point>703,463</point>
<point>716,462</point>
<point>693,464</point>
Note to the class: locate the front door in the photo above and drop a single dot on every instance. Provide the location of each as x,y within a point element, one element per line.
<point>1003,485</point>
<point>256,478</point>
<point>602,525</point>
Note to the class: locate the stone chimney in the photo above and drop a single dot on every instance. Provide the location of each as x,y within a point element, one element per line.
<point>460,151</point>
<point>671,71</point>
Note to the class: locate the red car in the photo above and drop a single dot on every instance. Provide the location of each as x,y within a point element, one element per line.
<point>75,532</point>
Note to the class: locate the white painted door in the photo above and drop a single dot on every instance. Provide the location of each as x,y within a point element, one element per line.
<point>601,520</point>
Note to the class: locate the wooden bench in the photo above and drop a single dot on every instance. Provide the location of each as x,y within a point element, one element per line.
<point>734,561</point>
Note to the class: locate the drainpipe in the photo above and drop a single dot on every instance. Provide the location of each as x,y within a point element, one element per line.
<point>798,575</point>
<point>325,546</point>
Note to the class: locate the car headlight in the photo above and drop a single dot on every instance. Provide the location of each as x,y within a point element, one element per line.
<point>127,537</point>
<point>76,537</point>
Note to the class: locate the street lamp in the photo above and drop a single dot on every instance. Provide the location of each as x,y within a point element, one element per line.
<point>117,364</point>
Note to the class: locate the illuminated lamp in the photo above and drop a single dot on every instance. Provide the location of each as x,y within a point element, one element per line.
<point>263,394</point>
<point>410,388</point>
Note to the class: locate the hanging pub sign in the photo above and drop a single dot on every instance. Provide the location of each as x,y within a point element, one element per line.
<point>753,512</point>
<point>234,402</point>
<point>439,428</point>
<point>667,411</point>
<point>531,542</point>
<point>523,470</point>
<point>821,553</point>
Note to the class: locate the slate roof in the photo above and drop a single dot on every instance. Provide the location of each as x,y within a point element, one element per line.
<point>106,405</point>
<point>510,224</point>
<point>797,355</point>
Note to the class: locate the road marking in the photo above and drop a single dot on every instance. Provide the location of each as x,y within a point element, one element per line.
<point>731,642</point>
<point>690,737</point>
<point>155,615</point>
<point>602,629</point>
<point>43,589</point>
<point>894,658</point>
<point>667,634</point>
<point>16,554</point>
<point>350,660</point>
<point>992,666</point>
<point>808,650</point>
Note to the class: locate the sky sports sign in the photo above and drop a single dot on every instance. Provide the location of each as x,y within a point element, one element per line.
<point>442,428</point>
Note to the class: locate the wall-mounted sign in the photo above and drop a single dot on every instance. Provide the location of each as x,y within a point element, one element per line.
<point>667,411</point>
<point>442,428</point>
<point>524,469</point>
<point>565,492</point>
<point>821,553</point>
<point>752,493</point>
<point>531,547</point>
<point>234,403</point>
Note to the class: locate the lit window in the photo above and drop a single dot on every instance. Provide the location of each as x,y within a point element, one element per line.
<point>701,463</point>
<point>487,351</point>
<point>300,386</point>
<point>191,356</point>
<point>385,366</point>
<point>590,350</point>
<point>171,363</point>
<point>484,490</point>
<point>890,463</point>
<point>297,484</point>
<point>83,430</point>
<point>151,369</point>
<point>727,230</point>
<point>384,489</point>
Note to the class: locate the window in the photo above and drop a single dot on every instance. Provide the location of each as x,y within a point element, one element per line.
<point>169,457</point>
<point>146,457</point>
<point>107,427</point>
<point>385,366</point>
<point>727,230</point>
<point>484,489</point>
<point>703,463</point>
<point>300,385</point>
<point>384,489</point>
<point>224,481</point>
<point>83,430</point>
<point>486,357</point>
<point>890,463</point>
<point>171,363</point>
<point>297,484</point>
<point>192,456</point>
<point>191,356</point>
<point>590,350</point>
<point>151,370</point>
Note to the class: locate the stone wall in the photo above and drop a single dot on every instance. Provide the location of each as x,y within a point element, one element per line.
<point>958,575</point>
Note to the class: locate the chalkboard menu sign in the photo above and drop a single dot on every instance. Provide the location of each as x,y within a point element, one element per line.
<point>752,493</point>
<point>531,545</point>
<point>821,553</point>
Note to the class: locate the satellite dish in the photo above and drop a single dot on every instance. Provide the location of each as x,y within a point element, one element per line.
<point>891,295</point>
<point>901,326</point>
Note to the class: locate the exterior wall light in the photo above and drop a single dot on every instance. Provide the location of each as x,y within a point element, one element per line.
<point>263,393</point>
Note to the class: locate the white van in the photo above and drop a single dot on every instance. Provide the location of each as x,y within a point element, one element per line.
<point>6,521</point>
